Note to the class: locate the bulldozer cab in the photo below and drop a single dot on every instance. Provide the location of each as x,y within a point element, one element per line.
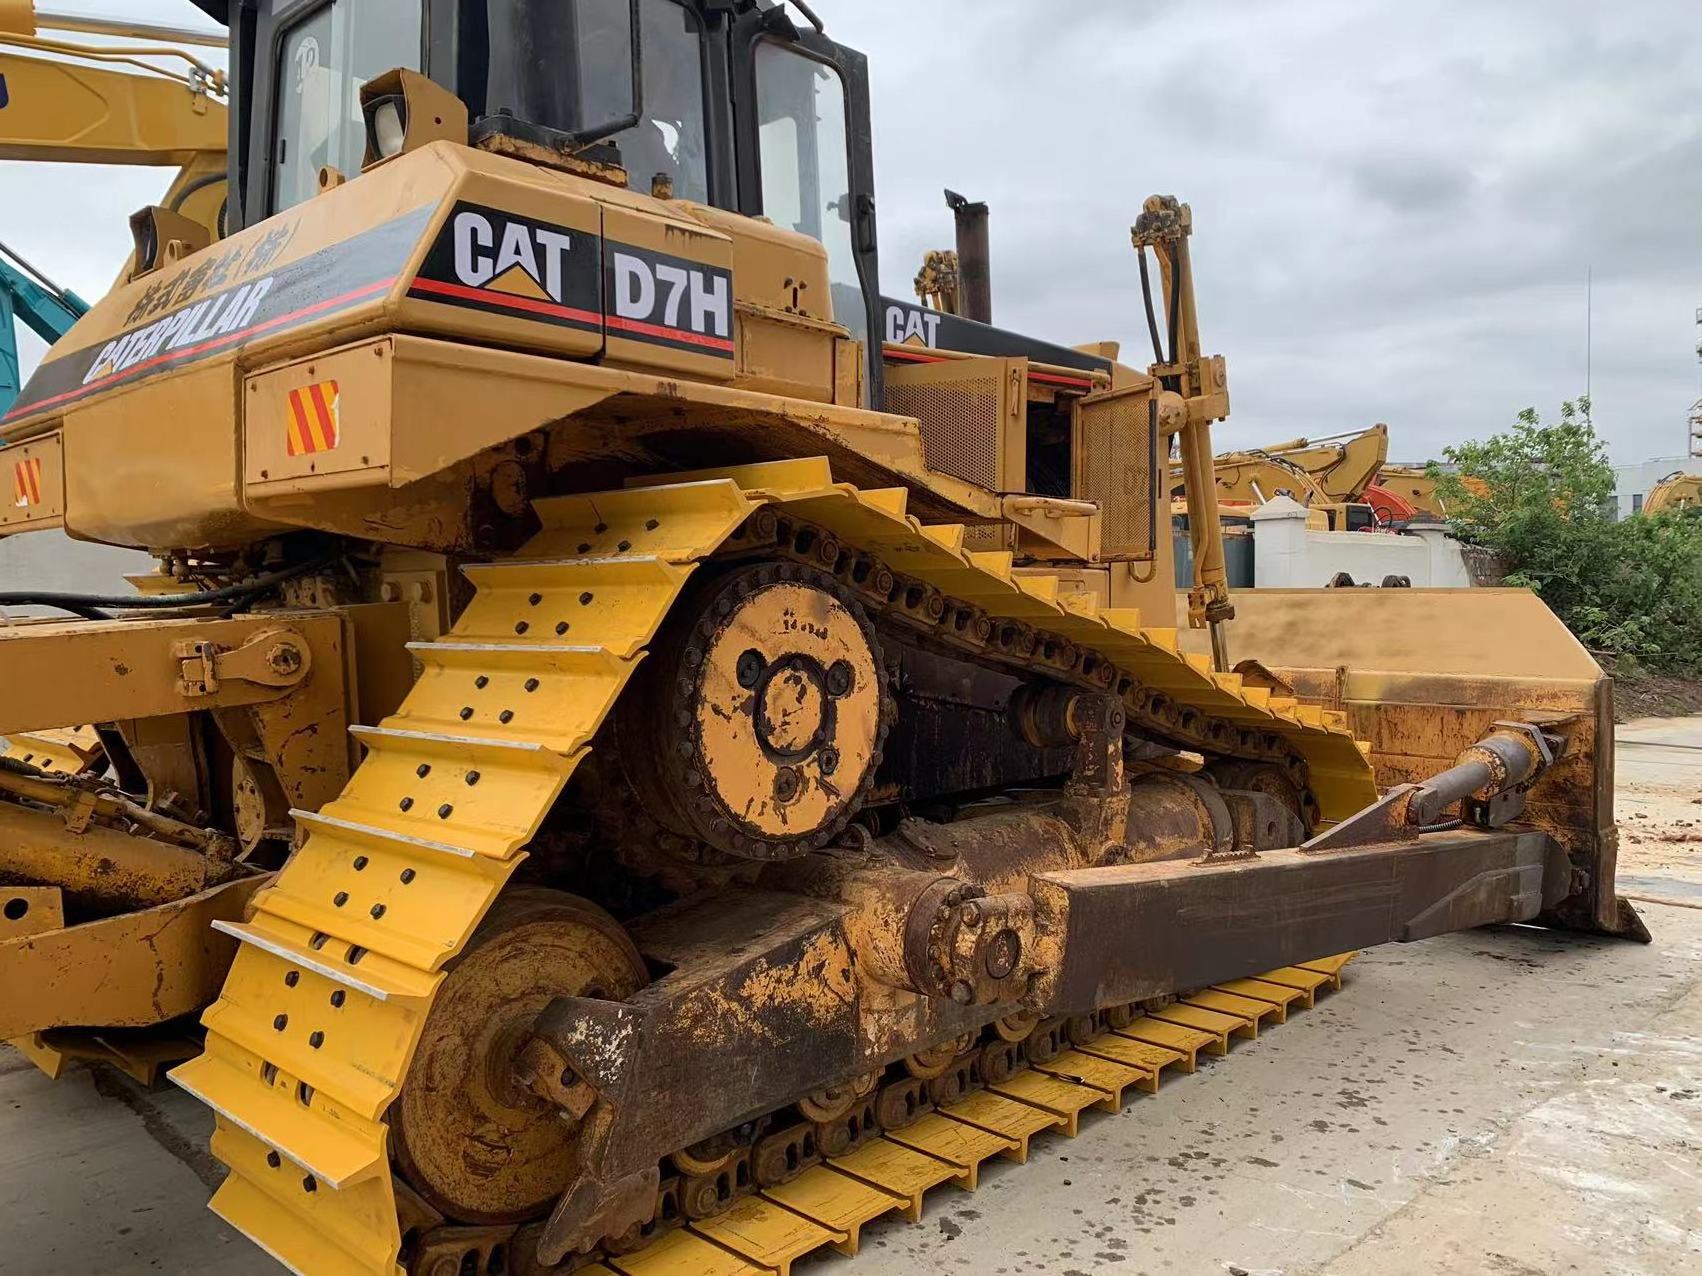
<point>729,105</point>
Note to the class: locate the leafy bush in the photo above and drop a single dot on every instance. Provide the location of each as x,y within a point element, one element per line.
<point>1540,496</point>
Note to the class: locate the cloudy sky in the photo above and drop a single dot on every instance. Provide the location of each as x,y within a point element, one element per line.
<point>1396,205</point>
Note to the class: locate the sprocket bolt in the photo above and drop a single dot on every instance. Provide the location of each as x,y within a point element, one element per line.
<point>840,679</point>
<point>752,665</point>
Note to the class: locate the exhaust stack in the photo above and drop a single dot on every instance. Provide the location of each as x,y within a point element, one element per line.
<point>975,257</point>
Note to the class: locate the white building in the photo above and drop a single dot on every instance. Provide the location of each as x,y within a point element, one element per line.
<point>1287,554</point>
<point>1634,482</point>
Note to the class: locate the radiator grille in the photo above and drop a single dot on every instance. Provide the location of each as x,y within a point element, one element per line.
<point>960,423</point>
<point>991,536</point>
<point>1118,447</point>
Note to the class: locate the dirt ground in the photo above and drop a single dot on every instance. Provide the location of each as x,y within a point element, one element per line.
<point>1647,695</point>
<point>1659,792</point>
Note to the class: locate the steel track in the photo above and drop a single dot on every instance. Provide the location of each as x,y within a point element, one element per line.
<point>311,1038</point>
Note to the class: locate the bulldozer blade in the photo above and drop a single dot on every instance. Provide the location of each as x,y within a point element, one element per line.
<point>129,971</point>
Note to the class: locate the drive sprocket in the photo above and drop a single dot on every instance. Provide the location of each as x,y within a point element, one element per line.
<point>766,714</point>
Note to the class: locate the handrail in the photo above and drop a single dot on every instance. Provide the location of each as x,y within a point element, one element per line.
<point>88,25</point>
<point>201,77</point>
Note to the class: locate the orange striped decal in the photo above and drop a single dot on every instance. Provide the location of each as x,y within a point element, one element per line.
<point>313,423</point>
<point>26,483</point>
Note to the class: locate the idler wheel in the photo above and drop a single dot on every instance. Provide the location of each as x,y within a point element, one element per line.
<point>468,1135</point>
<point>765,708</point>
<point>936,1061</point>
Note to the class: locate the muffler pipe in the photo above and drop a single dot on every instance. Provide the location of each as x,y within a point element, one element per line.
<point>974,257</point>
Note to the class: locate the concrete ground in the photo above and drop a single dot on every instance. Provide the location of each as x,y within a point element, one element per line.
<point>1505,1101</point>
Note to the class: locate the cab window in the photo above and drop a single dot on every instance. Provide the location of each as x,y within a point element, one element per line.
<point>322,62</point>
<point>669,144</point>
<point>568,67</point>
<point>806,165</point>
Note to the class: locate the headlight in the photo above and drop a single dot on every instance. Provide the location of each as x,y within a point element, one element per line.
<point>387,126</point>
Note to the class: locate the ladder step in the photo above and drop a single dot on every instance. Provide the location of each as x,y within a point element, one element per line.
<point>615,603</point>
<point>387,895</point>
<point>375,979</point>
<point>678,522</point>
<point>337,1151</point>
<point>309,1028</point>
<point>554,697</point>
<point>417,784</point>
<point>328,1233</point>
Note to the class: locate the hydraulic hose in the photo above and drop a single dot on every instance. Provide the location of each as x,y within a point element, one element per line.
<point>1151,316</point>
<point>83,604</point>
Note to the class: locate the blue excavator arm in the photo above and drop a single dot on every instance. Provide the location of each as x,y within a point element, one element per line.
<point>29,298</point>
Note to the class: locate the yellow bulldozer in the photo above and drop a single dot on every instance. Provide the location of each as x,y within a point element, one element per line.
<point>642,754</point>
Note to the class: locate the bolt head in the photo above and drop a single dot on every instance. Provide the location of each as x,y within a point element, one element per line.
<point>962,993</point>
<point>752,665</point>
<point>284,659</point>
<point>840,679</point>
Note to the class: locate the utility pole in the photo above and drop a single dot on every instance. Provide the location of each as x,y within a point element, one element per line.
<point>1589,330</point>
<point>1695,421</point>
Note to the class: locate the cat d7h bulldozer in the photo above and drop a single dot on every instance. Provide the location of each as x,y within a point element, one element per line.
<point>648,754</point>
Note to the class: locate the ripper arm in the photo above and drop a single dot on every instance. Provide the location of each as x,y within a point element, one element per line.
<point>1195,393</point>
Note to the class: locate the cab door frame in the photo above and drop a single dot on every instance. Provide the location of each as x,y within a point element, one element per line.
<point>774,25</point>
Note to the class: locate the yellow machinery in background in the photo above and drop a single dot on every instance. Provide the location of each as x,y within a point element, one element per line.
<point>644,753</point>
<point>131,96</point>
<point>1676,491</point>
<point>1330,476</point>
<point>1345,477</point>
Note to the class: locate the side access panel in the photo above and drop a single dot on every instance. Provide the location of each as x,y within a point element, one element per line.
<point>1117,467</point>
<point>35,475</point>
<point>973,414</point>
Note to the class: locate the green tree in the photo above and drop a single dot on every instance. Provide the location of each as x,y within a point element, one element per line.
<point>1540,496</point>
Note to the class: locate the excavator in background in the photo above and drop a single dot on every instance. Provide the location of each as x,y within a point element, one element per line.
<point>1413,487</point>
<point>642,753</point>
<point>29,298</point>
<point>83,90</point>
<point>1330,476</point>
<point>1345,477</point>
<point>132,96</point>
<point>1678,490</point>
